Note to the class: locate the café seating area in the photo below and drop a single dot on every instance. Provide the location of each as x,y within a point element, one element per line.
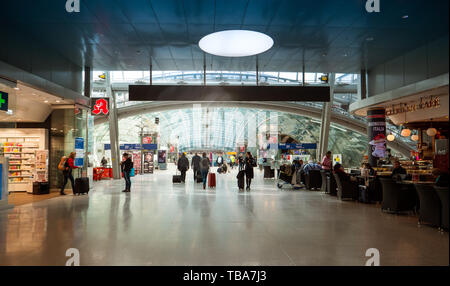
<point>402,197</point>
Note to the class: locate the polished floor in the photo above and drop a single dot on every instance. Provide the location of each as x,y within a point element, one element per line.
<point>22,198</point>
<point>164,224</point>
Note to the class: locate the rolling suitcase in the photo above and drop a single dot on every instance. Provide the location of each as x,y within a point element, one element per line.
<point>199,177</point>
<point>364,194</point>
<point>176,179</point>
<point>240,178</point>
<point>81,186</point>
<point>211,180</point>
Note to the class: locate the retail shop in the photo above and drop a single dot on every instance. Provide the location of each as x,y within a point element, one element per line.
<point>36,130</point>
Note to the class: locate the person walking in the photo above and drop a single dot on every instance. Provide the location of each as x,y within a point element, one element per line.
<point>249,163</point>
<point>183,166</point>
<point>195,165</point>
<point>204,168</point>
<point>67,172</point>
<point>126,165</point>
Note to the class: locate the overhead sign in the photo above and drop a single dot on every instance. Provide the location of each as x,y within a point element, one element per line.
<point>228,93</point>
<point>3,101</point>
<point>133,146</point>
<point>294,146</point>
<point>100,106</point>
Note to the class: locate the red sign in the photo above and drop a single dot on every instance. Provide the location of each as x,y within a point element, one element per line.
<point>100,106</point>
<point>147,140</point>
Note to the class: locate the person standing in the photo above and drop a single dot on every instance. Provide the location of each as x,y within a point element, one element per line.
<point>126,165</point>
<point>67,172</point>
<point>327,163</point>
<point>104,162</point>
<point>249,163</point>
<point>183,166</point>
<point>195,165</point>
<point>204,168</point>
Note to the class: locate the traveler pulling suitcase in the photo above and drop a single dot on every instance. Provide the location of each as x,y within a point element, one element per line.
<point>211,180</point>
<point>240,177</point>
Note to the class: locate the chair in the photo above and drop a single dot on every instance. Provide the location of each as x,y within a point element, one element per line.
<point>345,190</point>
<point>396,198</point>
<point>313,180</point>
<point>442,193</point>
<point>323,174</point>
<point>430,205</point>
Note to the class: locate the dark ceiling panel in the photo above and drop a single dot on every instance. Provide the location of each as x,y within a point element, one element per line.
<point>108,33</point>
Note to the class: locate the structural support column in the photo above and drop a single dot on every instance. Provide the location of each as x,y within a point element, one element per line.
<point>113,129</point>
<point>376,132</point>
<point>326,120</point>
<point>362,85</point>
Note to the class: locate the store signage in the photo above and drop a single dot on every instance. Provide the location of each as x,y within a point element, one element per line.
<point>147,140</point>
<point>3,101</point>
<point>79,150</point>
<point>426,102</point>
<point>100,106</point>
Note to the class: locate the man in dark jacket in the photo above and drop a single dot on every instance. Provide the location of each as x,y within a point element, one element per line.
<point>195,165</point>
<point>183,166</point>
<point>398,169</point>
<point>126,165</point>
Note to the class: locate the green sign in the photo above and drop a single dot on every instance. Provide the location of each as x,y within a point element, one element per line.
<point>3,101</point>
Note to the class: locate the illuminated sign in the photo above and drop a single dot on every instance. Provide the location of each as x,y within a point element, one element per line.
<point>427,102</point>
<point>100,106</point>
<point>3,101</point>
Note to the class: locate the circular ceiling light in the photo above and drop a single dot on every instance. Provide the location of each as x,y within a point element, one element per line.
<point>390,137</point>
<point>235,43</point>
<point>415,137</point>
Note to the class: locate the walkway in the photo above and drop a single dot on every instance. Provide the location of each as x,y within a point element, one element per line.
<point>164,224</point>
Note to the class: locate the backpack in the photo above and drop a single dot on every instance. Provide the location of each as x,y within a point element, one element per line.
<point>62,163</point>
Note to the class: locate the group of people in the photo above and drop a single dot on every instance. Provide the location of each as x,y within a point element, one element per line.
<point>202,165</point>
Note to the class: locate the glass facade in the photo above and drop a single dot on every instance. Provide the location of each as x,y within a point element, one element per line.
<point>201,128</point>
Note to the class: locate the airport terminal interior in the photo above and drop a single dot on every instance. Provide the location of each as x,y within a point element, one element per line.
<point>212,132</point>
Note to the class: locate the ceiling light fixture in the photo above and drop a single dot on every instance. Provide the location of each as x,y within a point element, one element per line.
<point>235,43</point>
<point>390,137</point>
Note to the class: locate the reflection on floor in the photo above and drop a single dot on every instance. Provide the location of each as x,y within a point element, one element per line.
<point>22,198</point>
<point>160,223</point>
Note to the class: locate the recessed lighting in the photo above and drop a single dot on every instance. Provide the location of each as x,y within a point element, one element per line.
<point>235,43</point>
<point>16,88</point>
<point>46,101</point>
<point>58,101</point>
<point>405,16</point>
